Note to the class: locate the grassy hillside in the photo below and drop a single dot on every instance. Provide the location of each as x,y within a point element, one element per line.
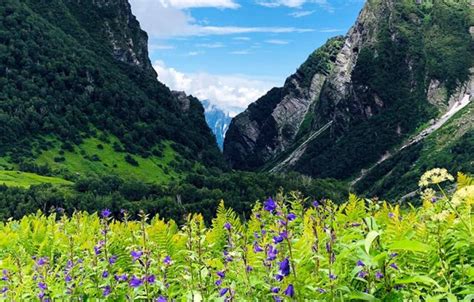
<point>451,146</point>
<point>25,180</point>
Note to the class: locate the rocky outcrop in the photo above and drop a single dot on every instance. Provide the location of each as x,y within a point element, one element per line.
<point>271,124</point>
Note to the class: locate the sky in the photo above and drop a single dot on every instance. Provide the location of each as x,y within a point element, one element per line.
<point>232,52</point>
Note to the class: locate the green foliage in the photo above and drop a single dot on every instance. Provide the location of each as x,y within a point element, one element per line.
<point>416,43</point>
<point>361,250</point>
<point>63,75</point>
<point>197,192</point>
<point>25,179</point>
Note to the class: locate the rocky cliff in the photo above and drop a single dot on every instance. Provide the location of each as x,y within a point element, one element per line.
<point>402,64</point>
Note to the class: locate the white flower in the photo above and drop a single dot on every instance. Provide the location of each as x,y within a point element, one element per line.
<point>435,176</point>
<point>440,216</point>
<point>463,195</point>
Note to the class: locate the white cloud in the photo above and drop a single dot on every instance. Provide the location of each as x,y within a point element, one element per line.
<point>232,93</point>
<point>154,46</point>
<point>277,42</point>
<point>330,30</point>
<point>294,3</point>
<point>240,52</point>
<point>195,53</point>
<point>199,3</point>
<point>211,45</point>
<point>242,38</point>
<point>302,13</point>
<point>161,19</point>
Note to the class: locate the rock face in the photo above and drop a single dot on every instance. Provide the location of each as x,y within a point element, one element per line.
<point>271,124</point>
<point>391,74</point>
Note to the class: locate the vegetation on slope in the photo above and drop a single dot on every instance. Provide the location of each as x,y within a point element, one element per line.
<point>291,249</point>
<point>26,180</point>
<point>451,146</point>
<point>199,191</point>
<point>60,78</point>
<point>416,44</point>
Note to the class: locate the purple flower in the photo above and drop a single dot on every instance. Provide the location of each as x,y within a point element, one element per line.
<point>328,247</point>
<point>257,248</point>
<point>68,278</point>
<point>218,282</point>
<point>106,291</point>
<point>321,290</point>
<point>150,279</point>
<point>136,255</point>
<point>275,290</point>
<point>4,290</point>
<point>269,205</point>
<point>42,261</point>
<point>279,277</point>
<point>223,291</point>
<point>316,204</point>
<point>393,255</point>
<point>291,217</point>
<point>433,199</point>
<point>332,276</point>
<point>355,224</point>
<point>282,222</point>
<point>121,278</point>
<point>97,250</point>
<point>221,274</point>
<point>378,275</point>
<point>161,299</point>
<point>105,274</point>
<point>271,253</point>
<point>285,267</point>
<point>105,213</point>
<point>394,266</point>
<point>135,282</point>
<point>249,268</point>
<point>391,215</point>
<point>167,260</point>
<point>42,286</point>
<point>227,226</point>
<point>362,274</point>
<point>277,239</point>
<point>290,291</point>
<point>360,263</point>
<point>113,259</point>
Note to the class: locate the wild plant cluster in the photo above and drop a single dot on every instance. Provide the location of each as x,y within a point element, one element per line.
<point>291,249</point>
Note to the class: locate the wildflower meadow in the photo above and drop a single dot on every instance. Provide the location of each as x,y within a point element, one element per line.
<point>290,249</point>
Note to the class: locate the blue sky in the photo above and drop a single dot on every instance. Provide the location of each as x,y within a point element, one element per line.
<point>232,51</point>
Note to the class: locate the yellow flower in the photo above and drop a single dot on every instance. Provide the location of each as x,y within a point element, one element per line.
<point>435,176</point>
<point>463,195</point>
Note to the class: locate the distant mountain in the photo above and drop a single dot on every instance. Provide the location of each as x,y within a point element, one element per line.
<point>377,107</point>
<point>78,95</point>
<point>218,121</point>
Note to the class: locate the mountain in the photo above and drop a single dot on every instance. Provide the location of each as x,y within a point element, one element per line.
<point>78,95</point>
<point>217,120</point>
<point>362,107</point>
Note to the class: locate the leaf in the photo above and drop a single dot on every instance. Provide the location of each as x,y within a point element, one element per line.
<point>469,298</point>
<point>362,296</point>
<point>369,239</point>
<point>417,279</point>
<point>410,245</point>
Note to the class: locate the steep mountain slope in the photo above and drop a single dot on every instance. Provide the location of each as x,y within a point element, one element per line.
<point>401,65</point>
<point>217,120</point>
<point>77,90</point>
